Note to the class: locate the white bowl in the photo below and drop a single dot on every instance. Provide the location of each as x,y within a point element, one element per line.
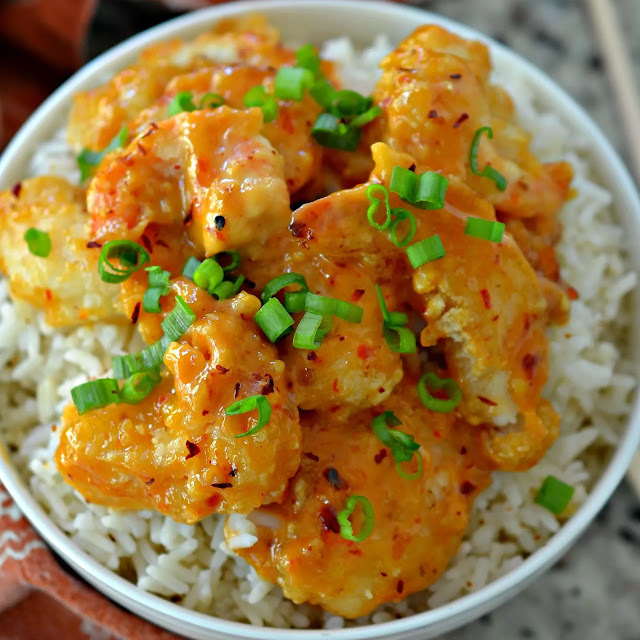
<point>315,21</point>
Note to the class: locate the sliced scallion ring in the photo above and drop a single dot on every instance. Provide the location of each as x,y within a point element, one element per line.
<point>311,331</point>
<point>208,275</point>
<point>38,242</point>
<point>329,131</point>
<point>488,172</point>
<point>211,101</point>
<point>87,159</point>
<point>554,495</point>
<point>280,282</point>
<point>259,402</point>
<point>307,58</point>
<point>95,394</point>
<point>131,256</point>
<point>138,386</point>
<point>291,83</point>
<point>485,229</point>
<point>440,405</point>
<point>274,320</point>
<point>346,528</point>
<point>179,319</point>
<point>425,250</point>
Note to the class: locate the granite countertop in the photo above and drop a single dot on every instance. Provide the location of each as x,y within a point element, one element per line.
<point>593,593</point>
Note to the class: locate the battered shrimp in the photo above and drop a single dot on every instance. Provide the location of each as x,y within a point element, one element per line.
<point>176,451</point>
<point>418,524</point>
<point>210,171</point>
<point>65,284</point>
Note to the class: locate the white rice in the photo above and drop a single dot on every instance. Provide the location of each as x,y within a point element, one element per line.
<point>589,383</point>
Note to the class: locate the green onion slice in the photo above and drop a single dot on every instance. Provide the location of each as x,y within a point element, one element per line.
<point>372,191</point>
<point>392,438</point>
<point>149,358</point>
<point>257,97</point>
<point>38,242</point>
<point>138,386</point>
<point>554,495</point>
<point>307,58</point>
<point>425,251</point>
<point>323,306</point>
<point>366,117</point>
<point>131,255</point>
<point>291,82</point>
<point>346,528</point>
<point>87,159</point>
<point>190,267</point>
<point>400,216</point>
<point>311,331</point>
<point>425,191</point>
<point>484,229</point>
<point>347,103</point>
<point>208,275</point>
<point>294,301</point>
<point>280,282</point>
<point>410,476</point>
<point>329,131</point>
<point>178,320</point>
<point>95,394</point>
<point>224,290</point>
<point>487,172</point>
<point>440,405</point>
<point>182,101</point>
<point>158,277</point>
<point>400,339</point>
<point>322,92</point>
<point>235,257</point>
<point>151,300</point>
<point>259,402</point>
<point>274,320</point>
<point>211,101</point>
<point>158,286</point>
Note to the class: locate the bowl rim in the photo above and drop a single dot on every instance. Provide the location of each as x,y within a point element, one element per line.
<point>442,618</point>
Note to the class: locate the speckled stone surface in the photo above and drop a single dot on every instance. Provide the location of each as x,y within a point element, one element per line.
<point>593,593</point>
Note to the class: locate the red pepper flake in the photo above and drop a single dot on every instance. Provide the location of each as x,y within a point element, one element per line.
<point>400,586</point>
<point>189,217</point>
<point>333,478</point>
<point>152,127</point>
<point>336,388</point>
<point>312,356</point>
<point>222,485</point>
<point>93,245</point>
<point>463,451</point>
<point>236,390</point>
<point>383,574</point>
<point>381,390</point>
<point>572,293</point>
<point>221,369</point>
<point>268,388</point>
<point>357,294</point>
<point>527,322</point>
<point>460,120</point>
<point>437,434</point>
<point>341,338</point>
<point>494,318</point>
<point>328,519</point>
<point>334,409</point>
<point>364,351</point>
<point>136,313</point>
<point>214,500</point>
<point>433,113</point>
<point>194,450</point>
<point>491,403</point>
<point>380,456</point>
<point>467,487</point>
<point>297,228</point>
<point>311,456</point>
<point>234,470</point>
<point>529,364</point>
<point>162,243</point>
<point>48,294</point>
<point>486,298</point>
<point>147,243</point>
<point>16,189</point>
<point>150,482</point>
<point>289,385</point>
<point>455,76</point>
<point>205,412</point>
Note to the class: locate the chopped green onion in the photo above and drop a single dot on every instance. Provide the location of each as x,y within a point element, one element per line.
<point>158,286</point>
<point>224,290</point>
<point>182,101</point>
<point>554,495</point>
<point>365,118</point>
<point>291,82</point>
<point>346,528</point>
<point>257,97</point>
<point>178,320</point>
<point>400,216</point>
<point>392,438</point>
<point>425,251</point>
<point>245,405</point>
<point>400,339</point>
<point>372,190</point>
<point>322,92</point>
<point>311,331</point>
<point>487,172</point>
<point>149,358</point>
<point>235,260</point>
<point>38,242</point>
<point>190,267</point>
<point>237,285</point>
<point>138,386</point>
<point>328,131</point>
<point>280,282</point>
<point>211,101</point>
<point>347,103</point>
<point>328,307</point>
<point>439,405</point>
<point>308,58</point>
<point>208,275</point>
<point>95,394</point>
<point>131,255</point>
<point>410,476</point>
<point>425,191</point>
<point>484,229</point>
<point>294,301</point>
<point>87,158</point>
<point>274,320</point>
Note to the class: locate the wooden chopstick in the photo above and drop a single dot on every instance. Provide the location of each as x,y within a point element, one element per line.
<point>618,65</point>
